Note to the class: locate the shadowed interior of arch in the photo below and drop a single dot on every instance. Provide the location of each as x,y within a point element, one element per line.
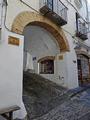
<point>38,44</point>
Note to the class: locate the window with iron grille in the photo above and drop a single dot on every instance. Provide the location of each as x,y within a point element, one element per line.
<point>47,67</point>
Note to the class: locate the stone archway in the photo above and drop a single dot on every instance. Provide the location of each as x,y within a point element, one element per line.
<point>25,18</point>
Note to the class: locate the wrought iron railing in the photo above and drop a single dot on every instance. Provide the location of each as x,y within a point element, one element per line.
<point>82,28</point>
<point>55,6</point>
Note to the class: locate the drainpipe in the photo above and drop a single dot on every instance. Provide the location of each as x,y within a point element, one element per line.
<point>5,4</point>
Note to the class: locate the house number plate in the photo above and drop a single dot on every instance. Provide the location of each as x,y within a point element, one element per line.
<point>13,41</point>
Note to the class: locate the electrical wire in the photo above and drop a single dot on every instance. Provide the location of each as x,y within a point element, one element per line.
<point>29,6</point>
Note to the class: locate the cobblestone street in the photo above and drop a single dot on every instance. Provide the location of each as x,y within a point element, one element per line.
<point>77,108</point>
<point>46,101</point>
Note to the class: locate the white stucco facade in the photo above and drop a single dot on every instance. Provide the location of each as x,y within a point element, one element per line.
<point>39,43</point>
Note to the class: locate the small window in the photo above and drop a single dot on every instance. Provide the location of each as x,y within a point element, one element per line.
<point>47,67</point>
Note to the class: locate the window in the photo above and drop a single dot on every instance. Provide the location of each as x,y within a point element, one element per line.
<point>47,67</point>
<point>83,66</point>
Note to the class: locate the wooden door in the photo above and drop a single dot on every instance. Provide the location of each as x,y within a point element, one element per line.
<point>83,69</point>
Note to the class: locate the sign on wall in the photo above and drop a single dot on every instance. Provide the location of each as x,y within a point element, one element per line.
<point>60,57</point>
<point>13,41</point>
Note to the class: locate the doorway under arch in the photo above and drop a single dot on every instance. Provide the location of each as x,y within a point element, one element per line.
<point>32,19</point>
<point>39,45</point>
<point>26,17</point>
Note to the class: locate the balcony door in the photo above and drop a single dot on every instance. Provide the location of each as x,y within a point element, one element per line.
<point>50,4</point>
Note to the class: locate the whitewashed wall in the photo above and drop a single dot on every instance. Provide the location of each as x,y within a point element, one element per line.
<point>11,72</point>
<point>11,65</point>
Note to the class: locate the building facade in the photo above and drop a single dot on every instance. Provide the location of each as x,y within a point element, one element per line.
<point>48,37</point>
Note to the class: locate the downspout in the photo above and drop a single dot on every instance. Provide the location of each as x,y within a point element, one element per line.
<point>5,4</point>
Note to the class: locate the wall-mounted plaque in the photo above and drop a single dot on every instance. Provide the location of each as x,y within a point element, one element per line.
<point>60,57</point>
<point>13,41</point>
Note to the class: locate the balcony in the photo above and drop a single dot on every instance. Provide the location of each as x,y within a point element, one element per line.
<point>55,10</point>
<point>81,28</point>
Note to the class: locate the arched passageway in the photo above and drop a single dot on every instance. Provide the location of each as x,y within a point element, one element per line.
<point>40,50</point>
<point>44,38</point>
